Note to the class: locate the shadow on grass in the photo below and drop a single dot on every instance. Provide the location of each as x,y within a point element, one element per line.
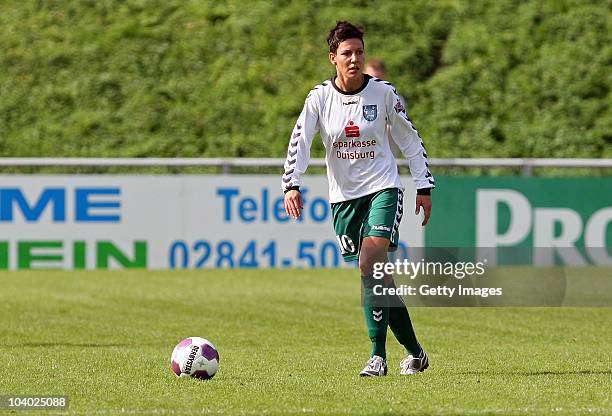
<point>63,344</point>
<point>539,373</point>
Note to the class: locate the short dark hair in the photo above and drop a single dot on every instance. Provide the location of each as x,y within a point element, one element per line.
<point>342,31</point>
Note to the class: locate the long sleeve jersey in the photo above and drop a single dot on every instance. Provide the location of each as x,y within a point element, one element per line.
<point>353,127</point>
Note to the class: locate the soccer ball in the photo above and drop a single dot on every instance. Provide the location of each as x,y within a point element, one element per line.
<point>195,357</point>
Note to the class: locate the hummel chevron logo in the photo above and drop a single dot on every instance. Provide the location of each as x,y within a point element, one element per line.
<point>377,315</point>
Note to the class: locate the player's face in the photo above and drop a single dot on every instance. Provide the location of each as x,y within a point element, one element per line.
<point>349,58</point>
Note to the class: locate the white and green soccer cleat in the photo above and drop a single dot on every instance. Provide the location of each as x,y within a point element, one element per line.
<point>413,365</point>
<point>376,367</point>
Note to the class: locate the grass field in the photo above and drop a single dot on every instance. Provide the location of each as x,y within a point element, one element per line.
<point>290,342</point>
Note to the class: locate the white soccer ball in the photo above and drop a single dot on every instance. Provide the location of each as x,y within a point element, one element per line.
<point>195,357</point>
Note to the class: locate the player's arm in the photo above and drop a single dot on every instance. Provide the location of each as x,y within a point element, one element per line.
<point>298,155</point>
<point>410,143</point>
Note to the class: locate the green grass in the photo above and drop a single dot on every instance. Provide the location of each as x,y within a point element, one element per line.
<point>290,342</point>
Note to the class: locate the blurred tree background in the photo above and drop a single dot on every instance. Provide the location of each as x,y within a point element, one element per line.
<point>175,78</point>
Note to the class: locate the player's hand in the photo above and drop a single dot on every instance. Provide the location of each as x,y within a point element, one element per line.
<point>293,204</point>
<point>425,202</point>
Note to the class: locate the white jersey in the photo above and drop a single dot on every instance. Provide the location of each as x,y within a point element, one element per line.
<point>353,127</point>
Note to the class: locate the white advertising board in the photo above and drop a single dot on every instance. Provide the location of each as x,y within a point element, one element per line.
<point>160,222</point>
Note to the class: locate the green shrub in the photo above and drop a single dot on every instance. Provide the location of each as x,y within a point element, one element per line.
<point>207,78</point>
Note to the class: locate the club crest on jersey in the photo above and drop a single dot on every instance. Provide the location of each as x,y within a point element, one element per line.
<point>370,112</point>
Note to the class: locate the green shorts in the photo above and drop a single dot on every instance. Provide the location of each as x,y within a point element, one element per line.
<point>375,215</point>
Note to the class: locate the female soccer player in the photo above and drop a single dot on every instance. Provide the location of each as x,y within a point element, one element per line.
<point>352,112</point>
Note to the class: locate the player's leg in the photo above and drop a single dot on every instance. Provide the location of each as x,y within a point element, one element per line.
<point>384,220</point>
<point>349,218</point>
<point>375,307</point>
<point>401,326</point>
<point>376,233</point>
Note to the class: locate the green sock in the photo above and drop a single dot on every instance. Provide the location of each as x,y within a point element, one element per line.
<point>376,312</point>
<point>401,325</point>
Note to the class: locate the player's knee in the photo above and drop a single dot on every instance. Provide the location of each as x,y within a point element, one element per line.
<point>366,264</point>
<point>366,268</point>
<point>372,252</point>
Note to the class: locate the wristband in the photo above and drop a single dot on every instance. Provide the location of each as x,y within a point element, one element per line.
<point>293,188</point>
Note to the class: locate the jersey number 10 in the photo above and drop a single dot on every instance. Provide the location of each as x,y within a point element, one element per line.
<point>346,244</point>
